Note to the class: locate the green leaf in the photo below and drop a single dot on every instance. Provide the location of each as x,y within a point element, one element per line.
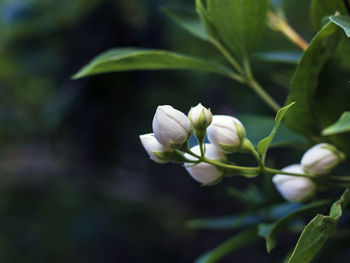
<point>305,81</point>
<point>323,8</point>
<point>319,229</point>
<point>252,216</point>
<point>238,24</point>
<point>240,240</point>
<point>287,257</point>
<point>270,231</point>
<point>190,21</point>
<point>226,222</point>
<point>259,126</point>
<point>288,57</point>
<point>343,22</point>
<point>333,92</point>
<point>342,125</point>
<point>264,144</point>
<point>251,195</point>
<point>124,59</point>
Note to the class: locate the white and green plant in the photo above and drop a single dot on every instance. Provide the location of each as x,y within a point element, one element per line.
<point>313,109</point>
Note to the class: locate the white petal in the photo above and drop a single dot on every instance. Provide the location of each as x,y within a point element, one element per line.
<point>294,188</point>
<point>151,145</point>
<point>222,130</point>
<point>318,160</point>
<point>203,172</point>
<point>170,125</point>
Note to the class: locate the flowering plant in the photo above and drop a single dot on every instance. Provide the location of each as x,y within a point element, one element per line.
<point>234,28</point>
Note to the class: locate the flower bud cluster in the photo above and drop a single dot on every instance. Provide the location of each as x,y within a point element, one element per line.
<point>172,129</point>
<point>317,161</point>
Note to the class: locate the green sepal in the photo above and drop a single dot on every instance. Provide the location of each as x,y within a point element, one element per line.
<point>200,135</point>
<point>234,148</point>
<point>249,174</point>
<point>171,157</point>
<point>247,146</point>
<point>334,150</point>
<point>238,172</point>
<point>229,148</point>
<point>182,147</point>
<point>240,131</point>
<point>202,123</point>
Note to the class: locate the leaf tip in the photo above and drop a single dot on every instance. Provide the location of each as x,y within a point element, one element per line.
<point>291,104</point>
<point>75,76</point>
<point>325,132</point>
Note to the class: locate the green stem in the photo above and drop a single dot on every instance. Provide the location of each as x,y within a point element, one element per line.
<point>236,77</point>
<point>258,159</point>
<point>244,168</point>
<point>231,166</point>
<point>325,177</point>
<point>224,165</point>
<point>251,82</point>
<point>193,154</point>
<point>180,153</point>
<point>245,75</point>
<point>248,147</point>
<point>263,169</point>
<point>201,147</point>
<point>271,171</point>
<point>227,55</point>
<point>263,95</point>
<point>276,171</point>
<point>340,178</point>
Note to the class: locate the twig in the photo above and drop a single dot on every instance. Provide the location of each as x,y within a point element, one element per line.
<point>279,22</point>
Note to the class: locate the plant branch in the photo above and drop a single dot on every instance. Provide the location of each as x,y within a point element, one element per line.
<point>180,153</point>
<point>320,178</point>
<point>231,166</point>
<point>272,171</point>
<point>279,22</point>
<point>236,77</point>
<point>245,76</point>
<point>227,55</point>
<point>248,147</point>
<point>253,171</point>
<point>250,81</point>
<point>276,171</point>
<point>263,94</point>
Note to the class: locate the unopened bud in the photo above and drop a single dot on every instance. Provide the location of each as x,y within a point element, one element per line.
<point>171,127</point>
<point>155,148</point>
<point>321,158</point>
<point>226,132</point>
<point>294,188</point>
<point>200,117</point>
<point>203,172</point>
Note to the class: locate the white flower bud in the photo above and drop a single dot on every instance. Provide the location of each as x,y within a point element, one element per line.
<point>321,158</point>
<point>152,146</point>
<point>203,172</point>
<point>226,132</point>
<point>200,117</point>
<point>294,188</point>
<point>170,126</point>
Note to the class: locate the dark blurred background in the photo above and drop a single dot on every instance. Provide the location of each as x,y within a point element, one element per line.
<point>76,184</point>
